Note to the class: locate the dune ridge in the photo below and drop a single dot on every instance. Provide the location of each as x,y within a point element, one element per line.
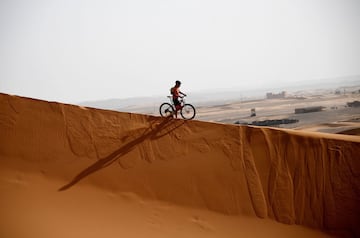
<point>293,177</point>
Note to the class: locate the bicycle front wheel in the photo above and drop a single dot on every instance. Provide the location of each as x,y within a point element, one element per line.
<point>166,110</point>
<point>188,112</point>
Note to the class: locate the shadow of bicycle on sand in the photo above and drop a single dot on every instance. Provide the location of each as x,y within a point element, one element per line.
<point>154,132</point>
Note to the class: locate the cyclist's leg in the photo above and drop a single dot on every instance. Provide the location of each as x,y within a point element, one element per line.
<point>177,105</point>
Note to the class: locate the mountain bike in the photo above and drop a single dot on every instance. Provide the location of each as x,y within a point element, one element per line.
<point>187,110</point>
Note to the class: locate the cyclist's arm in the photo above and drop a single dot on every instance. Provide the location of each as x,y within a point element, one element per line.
<point>182,93</point>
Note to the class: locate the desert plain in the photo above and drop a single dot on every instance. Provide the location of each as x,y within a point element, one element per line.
<point>74,171</point>
<point>336,116</point>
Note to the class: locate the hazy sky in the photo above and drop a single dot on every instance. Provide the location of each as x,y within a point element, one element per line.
<point>77,50</point>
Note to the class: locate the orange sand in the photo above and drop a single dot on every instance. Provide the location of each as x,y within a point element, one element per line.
<point>68,171</point>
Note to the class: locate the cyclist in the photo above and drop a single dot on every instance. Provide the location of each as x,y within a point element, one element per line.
<point>175,92</point>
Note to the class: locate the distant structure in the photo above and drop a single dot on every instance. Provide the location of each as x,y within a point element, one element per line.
<point>276,95</point>
<point>353,104</point>
<point>253,112</point>
<point>308,109</point>
<point>275,123</point>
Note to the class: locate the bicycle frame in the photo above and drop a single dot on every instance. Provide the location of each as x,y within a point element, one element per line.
<point>181,100</point>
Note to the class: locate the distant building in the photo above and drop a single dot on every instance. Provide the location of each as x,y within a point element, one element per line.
<point>276,95</point>
<point>253,112</point>
<point>353,104</point>
<point>308,109</point>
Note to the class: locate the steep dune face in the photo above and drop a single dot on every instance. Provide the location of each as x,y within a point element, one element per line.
<point>292,177</point>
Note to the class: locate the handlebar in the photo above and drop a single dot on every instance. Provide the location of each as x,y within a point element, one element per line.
<point>179,96</point>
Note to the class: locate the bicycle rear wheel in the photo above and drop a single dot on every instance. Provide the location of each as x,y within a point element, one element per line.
<point>166,109</point>
<point>188,112</point>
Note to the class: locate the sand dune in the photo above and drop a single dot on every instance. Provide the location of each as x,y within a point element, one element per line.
<point>70,171</point>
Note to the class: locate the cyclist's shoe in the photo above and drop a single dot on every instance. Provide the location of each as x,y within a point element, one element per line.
<point>170,114</point>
